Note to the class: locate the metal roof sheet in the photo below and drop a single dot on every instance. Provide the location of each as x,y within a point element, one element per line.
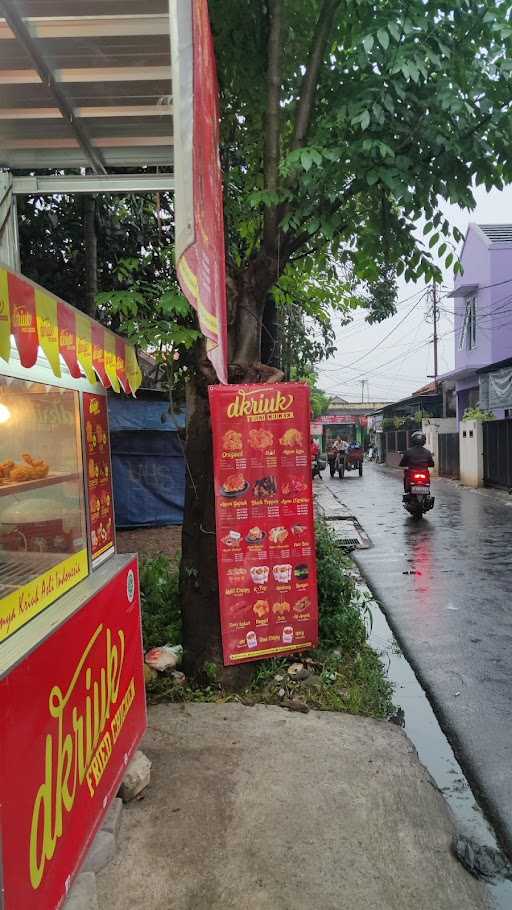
<point>85,83</point>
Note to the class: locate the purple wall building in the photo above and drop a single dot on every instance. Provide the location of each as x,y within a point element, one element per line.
<point>483,321</point>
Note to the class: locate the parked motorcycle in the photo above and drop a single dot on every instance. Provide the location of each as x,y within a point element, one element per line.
<point>417,499</point>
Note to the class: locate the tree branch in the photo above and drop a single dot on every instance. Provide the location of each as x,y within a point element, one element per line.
<point>272,124</point>
<point>306,103</point>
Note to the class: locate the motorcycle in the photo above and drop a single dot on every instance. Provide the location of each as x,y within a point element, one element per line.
<point>417,499</point>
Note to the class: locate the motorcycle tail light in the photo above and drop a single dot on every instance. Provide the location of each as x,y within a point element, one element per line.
<point>420,477</point>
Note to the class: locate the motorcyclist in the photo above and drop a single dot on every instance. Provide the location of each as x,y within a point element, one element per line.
<point>416,456</point>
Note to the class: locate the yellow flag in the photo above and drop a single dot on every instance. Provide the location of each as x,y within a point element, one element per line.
<point>111,361</point>
<point>133,369</point>
<point>48,329</point>
<point>84,347</point>
<point>5,317</point>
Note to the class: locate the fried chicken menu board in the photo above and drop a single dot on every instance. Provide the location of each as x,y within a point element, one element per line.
<point>99,477</point>
<point>264,519</point>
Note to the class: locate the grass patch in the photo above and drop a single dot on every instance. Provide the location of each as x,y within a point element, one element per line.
<point>343,674</point>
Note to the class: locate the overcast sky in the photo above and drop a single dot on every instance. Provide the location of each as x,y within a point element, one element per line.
<point>400,364</point>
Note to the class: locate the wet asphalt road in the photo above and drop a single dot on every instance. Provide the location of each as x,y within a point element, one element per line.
<point>445,585</point>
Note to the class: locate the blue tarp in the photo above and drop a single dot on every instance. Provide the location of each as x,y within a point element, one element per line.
<point>148,466</point>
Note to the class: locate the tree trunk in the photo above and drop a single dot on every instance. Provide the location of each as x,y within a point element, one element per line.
<point>198,580</point>
<point>91,254</point>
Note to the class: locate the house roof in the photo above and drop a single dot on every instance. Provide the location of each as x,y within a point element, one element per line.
<point>497,233</point>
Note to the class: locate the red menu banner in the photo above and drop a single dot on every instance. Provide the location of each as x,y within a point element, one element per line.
<point>71,716</point>
<point>265,520</point>
<point>99,475</point>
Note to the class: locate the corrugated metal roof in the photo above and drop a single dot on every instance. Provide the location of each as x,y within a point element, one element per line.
<point>109,67</point>
<point>497,233</point>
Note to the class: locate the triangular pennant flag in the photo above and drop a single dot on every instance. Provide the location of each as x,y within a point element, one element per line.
<point>48,329</point>
<point>110,360</point>
<point>67,338</point>
<point>84,346</point>
<point>98,353</point>
<point>22,306</point>
<point>5,317</point>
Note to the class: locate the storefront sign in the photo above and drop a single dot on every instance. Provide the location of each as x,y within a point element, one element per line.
<point>71,715</point>
<point>26,602</point>
<point>264,516</point>
<point>99,475</point>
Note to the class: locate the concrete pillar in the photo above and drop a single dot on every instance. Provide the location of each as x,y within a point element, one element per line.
<point>9,241</point>
<point>471,439</point>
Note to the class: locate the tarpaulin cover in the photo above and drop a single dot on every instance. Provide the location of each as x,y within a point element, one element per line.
<point>148,466</point>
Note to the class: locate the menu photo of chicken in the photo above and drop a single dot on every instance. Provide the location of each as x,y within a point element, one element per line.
<point>292,439</point>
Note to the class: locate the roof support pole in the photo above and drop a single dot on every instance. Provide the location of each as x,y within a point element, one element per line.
<point>9,240</point>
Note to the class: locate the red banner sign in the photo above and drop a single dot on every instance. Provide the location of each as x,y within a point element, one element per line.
<point>264,516</point>
<point>71,715</point>
<point>99,475</point>
<point>200,253</point>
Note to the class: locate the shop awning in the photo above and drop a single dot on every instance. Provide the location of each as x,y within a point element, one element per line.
<point>39,320</point>
<point>85,84</point>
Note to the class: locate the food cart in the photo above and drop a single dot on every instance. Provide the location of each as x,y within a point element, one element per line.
<point>72,705</point>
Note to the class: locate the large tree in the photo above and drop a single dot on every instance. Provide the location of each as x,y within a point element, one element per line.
<point>343,123</point>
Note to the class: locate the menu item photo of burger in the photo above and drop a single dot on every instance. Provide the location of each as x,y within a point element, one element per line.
<point>234,485</point>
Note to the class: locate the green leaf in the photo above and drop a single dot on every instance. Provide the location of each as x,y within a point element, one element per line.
<point>306,159</point>
<point>441,249</point>
<point>388,104</point>
<point>368,42</point>
<point>428,227</point>
<point>448,261</point>
<point>383,37</point>
<point>433,240</point>
<point>394,30</point>
<point>365,120</point>
<point>372,177</point>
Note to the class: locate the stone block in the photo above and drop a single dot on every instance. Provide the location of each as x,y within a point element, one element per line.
<point>82,895</point>
<point>101,852</point>
<point>112,821</point>
<point>137,777</point>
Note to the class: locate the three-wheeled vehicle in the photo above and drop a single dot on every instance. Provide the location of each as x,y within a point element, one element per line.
<point>351,460</point>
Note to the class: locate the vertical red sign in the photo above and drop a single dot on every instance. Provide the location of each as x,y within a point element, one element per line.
<point>71,715</point>
<point>99,475</point>
<point>265,520</point>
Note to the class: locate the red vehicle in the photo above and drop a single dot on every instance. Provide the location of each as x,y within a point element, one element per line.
<point>417,499</point>
<point>352,460</point>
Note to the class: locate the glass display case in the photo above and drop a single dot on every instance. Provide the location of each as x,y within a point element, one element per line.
<point>42,509</point>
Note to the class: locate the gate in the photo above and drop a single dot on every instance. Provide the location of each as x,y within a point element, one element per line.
<point>498,453</point>
<point>448,454</point>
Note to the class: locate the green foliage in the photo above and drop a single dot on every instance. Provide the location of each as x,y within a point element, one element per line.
<point>341,622</point>
<point>478,414</point>
<point>411,108</point>
<point>161,613</point>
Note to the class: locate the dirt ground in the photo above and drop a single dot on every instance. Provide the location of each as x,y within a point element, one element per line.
<point>150,541</point>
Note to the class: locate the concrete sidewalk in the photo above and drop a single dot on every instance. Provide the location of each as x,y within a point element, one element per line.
<point>266,810</point>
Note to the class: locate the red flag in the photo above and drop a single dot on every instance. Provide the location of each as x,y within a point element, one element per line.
<point>23,319</point>
<point>98,353</point>
<point>67,338</point>
<point>200,254</point>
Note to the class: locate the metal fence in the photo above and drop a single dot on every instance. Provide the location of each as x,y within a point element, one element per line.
<point>498,453</point>
<point>448,454</point>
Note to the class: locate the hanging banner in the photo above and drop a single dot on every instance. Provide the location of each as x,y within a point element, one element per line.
<point>84,346</point>
<point>71,715</point>
<point>67,338</point>
<point>111,361</point>
<point>39,319</point>
<point>5,317</point>
<point>121,364</point>
<point>200,252</point>
<point>264,519</point>
<point>48,329</point>
<point>99,475</point>
<point>23,319</point>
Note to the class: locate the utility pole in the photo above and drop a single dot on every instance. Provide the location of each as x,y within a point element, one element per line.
<point>435,313</point>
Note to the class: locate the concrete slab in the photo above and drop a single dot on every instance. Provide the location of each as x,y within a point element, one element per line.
<point>265,810</point>
<point>83,894</point>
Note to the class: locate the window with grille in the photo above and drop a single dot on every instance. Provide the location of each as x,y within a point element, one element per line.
<point>468,334</point>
